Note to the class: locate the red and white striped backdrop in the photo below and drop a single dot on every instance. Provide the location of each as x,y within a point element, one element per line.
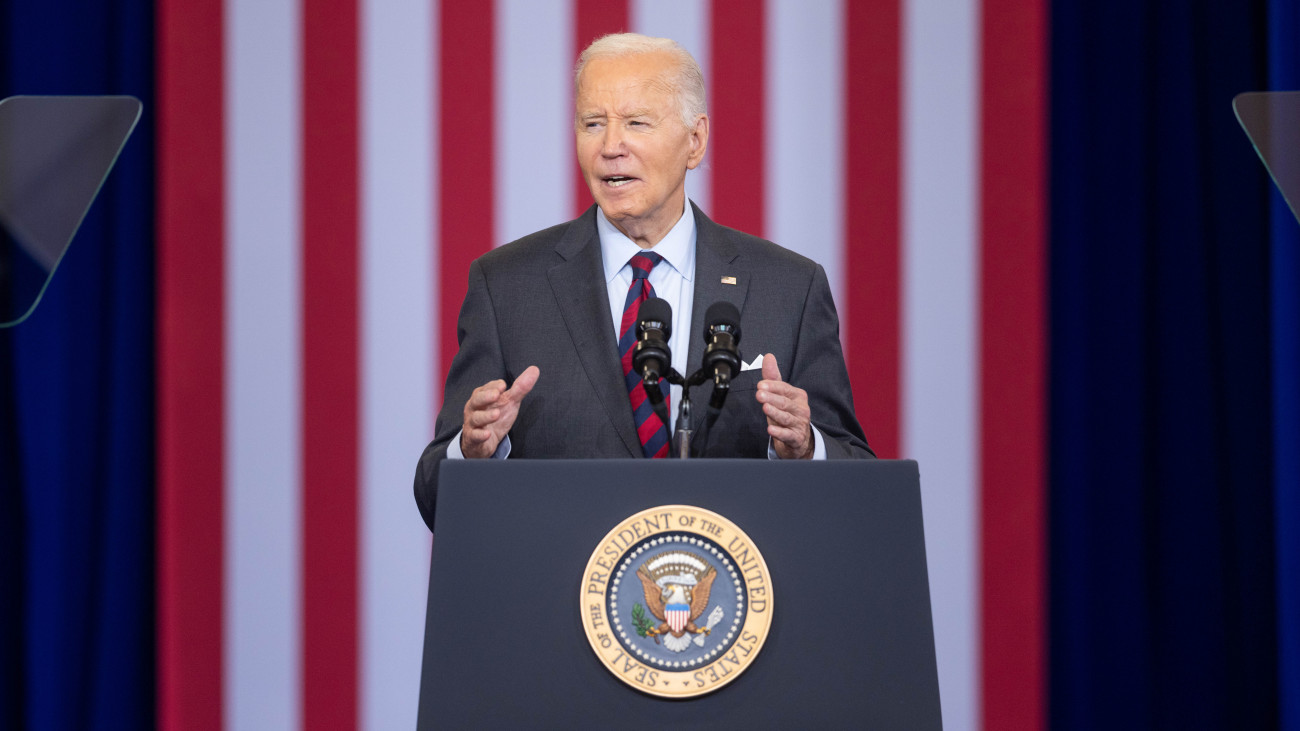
<point>329,168</point>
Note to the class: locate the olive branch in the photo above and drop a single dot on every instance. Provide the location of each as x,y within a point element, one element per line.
<point>643,625</point>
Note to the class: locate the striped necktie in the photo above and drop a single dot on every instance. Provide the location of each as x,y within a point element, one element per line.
<point>652,432</point>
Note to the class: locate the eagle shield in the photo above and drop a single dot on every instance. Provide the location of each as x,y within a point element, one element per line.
<point>677,615</point>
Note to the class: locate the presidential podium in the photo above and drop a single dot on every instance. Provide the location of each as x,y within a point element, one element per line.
<point>844,594</point>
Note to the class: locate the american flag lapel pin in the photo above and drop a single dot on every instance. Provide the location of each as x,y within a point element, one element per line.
<point>728,280</point>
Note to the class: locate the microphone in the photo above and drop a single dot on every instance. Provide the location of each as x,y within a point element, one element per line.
<point>651,358</point>
<point>721,354</point>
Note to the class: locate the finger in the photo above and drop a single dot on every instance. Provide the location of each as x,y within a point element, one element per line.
<point>794,439</point>
<point>477,441</point>
<point>773,401</point>
<point>773,390</point>
<point>485,395</point>
<point>783,389</point>
<point>771,371</point>
<point>524,384</point>
<point>480,418</point>
<point>475,435</point>
<point>783,396</point>
<point>782,417</point>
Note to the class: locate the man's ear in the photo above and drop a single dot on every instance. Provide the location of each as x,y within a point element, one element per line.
<point>699,141</point>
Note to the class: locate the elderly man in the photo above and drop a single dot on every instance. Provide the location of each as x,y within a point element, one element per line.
<point>548,319</point>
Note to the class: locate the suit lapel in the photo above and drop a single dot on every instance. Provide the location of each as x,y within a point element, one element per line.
<point>716,257</point>
<point>579,287</point>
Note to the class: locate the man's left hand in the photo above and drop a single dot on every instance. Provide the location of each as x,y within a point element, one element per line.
<point>789,421</point>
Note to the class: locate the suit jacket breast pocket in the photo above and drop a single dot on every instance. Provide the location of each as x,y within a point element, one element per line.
<point>746,380</point>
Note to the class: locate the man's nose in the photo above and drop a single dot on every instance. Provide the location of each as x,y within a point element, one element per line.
<point>612,143</point>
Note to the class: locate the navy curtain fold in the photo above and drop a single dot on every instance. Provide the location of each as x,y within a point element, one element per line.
<point>1163,591</point>
<point>1284,74</point>
<point>76,406</point>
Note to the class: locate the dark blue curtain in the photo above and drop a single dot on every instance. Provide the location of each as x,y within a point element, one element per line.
<point>76,406</point>
<point>1164,595</point>
<point>1284,73</point>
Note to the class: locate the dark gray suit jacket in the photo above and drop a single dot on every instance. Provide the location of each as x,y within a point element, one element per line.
<point>542,300</point>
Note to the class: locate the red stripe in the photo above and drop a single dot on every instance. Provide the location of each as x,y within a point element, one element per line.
<point>1013,362</point>
<point>329,364</point>
<point>466,69</point>
<point>646,431</point>
<point>637,396</point>
<point>593,19</point>
<point>189,368</point>
<point>630,313</point>
<point>737,129</point>
<point>872,204</point>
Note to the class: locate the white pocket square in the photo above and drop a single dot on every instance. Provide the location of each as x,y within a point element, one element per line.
<point>758,363</point>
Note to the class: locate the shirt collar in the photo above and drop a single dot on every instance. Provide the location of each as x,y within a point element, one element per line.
<point>677,247</point>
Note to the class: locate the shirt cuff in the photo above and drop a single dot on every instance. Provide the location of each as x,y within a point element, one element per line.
<point>503,448</point>
<point>819,446</point>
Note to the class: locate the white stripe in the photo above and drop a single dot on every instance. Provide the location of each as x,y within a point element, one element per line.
<point>940,316</point>
<point>805,108</point>
<point>534,116</point>
<point>263,529</point>
<point>687,22</point>
<point>397,336</point>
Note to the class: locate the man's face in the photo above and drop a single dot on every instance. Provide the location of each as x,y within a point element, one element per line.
<point>632,147</point>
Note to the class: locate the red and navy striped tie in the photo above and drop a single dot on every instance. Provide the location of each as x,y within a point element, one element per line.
<point>652,431</point>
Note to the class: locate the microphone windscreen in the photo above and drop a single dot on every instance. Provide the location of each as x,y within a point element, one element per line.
<point>657,310</point>
<point>722,313</point>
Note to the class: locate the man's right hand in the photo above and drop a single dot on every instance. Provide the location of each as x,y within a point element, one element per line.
<point>491,411</point>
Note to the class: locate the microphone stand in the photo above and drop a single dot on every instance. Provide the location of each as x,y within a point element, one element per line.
<point>684,433</point>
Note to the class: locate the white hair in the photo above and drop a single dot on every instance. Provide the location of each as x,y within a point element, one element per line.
<point>687,82</point>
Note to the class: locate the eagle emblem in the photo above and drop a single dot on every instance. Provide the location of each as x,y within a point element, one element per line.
<point>676,586</point>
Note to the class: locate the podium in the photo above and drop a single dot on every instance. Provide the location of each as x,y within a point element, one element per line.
<point>850,642</point>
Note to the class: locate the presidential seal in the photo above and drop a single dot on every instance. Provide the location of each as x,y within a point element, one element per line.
<point>676,601</point>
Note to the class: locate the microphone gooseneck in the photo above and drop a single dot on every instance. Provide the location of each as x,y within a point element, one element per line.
<point>651,358</point>
<point>721,364</point>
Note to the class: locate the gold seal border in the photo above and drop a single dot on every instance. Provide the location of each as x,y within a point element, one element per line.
<point>601,570</point>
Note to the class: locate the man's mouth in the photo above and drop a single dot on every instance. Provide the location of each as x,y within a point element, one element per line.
<point>618,180</point>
